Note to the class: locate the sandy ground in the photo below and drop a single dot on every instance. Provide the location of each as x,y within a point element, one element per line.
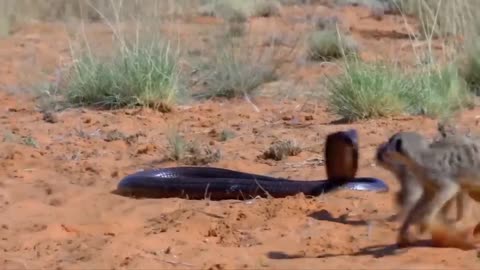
<point>56,210</point>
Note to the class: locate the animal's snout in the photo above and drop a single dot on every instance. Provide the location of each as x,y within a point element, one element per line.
<point>380,151</point>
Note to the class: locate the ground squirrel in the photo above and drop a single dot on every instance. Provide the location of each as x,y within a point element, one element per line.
<point>442,170</point>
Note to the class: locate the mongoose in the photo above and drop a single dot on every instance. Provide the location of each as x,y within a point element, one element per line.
<point>442,170</point>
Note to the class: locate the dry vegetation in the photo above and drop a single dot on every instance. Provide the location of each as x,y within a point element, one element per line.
<point>145,71</point>
<point>398,59</point>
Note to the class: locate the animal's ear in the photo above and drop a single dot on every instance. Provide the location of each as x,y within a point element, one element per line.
<point>399,145</point>
<point>391,139</point>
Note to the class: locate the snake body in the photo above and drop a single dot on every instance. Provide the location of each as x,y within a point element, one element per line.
<point>341,154</point>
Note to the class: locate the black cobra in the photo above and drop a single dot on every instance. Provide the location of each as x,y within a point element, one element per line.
<point>341,158</point>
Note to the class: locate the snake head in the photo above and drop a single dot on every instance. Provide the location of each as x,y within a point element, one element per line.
<point>341,155</point>
<point>351,137</point>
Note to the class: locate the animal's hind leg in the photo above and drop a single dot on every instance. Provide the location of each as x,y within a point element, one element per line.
<point>445,195</point>
<point>443,213</point>
<point>463,205</point>
<point>426,210</point>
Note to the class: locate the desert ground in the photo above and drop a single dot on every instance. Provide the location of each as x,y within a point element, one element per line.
<point>58,170</point>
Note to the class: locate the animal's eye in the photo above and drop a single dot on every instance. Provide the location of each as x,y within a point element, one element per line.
<point>398,146</point>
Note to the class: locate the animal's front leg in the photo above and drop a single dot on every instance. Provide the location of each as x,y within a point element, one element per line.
<point>404,237</point>
<point>426,210</point>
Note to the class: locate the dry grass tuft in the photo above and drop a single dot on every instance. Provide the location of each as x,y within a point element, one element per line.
<point>190,153</point>
<point>281,149</point>
<point>266,8</point>
<point>329,44</point>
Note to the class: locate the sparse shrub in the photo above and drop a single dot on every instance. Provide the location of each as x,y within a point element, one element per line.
<point>145,75</point>
<point>114,135</point>
<point>437,18</point>
<point>235,20</point>
<point>330,44</point>
<point>236,29</point>
<point>266,8</point>
<point>440,18</point>
<point>177,145</point>
<point>201,155</point>
<point>471,68</point>
<point>236,73</point>
<point>30,141</point>
<point>226,135</point>
<point>388,6</point>
<point>190,153</point>
<point>327,22</point>
<point>230,13</point>
<point>11,137</point>
<point>50,117</point>
<point>292,2</point>
<point>233,15</point>
<point>207,10</point>
<point>378,10</point>
<point>367,91</point>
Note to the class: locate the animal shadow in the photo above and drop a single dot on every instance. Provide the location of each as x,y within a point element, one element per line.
<point>343,219</point>
<point>377,251</point>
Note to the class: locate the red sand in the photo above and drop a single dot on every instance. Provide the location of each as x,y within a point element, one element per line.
<point>56,210</point>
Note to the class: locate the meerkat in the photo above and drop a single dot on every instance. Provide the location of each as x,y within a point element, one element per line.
<point>443,170</point>
<point>449,134</point>
<point>411,190</point>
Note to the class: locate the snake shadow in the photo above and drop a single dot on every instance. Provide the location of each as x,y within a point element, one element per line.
<point>376,251</point>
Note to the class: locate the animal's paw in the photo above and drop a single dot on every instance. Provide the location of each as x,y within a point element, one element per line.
<point>405,239</point>
<point>423,228</point>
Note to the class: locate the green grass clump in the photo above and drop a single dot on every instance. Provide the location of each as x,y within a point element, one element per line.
<point>329,44</point>
<point>145,75</point>
<point>373,90</point>
<point>367,91</point>
<point>437,92</point>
